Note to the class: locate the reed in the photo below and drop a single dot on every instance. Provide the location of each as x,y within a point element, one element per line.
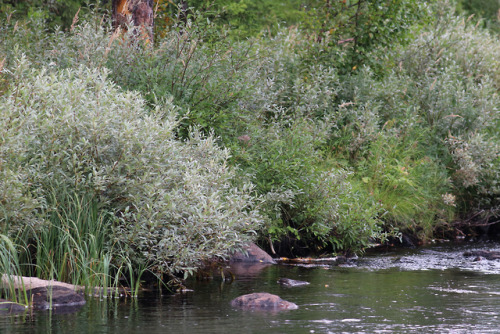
<point>10,267</point>
<point>73,245</point>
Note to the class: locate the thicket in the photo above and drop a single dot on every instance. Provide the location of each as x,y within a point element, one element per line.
<point>312,139</point>
<point>485,12</point>
<point>90,176</point>
<point>55,13</point>
<point>439,105</point>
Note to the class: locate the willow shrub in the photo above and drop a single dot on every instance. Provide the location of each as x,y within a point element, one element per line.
<point>282,132</point>
<point>452,73</point>
<point>425,135</point>
<point>172,202</point>
<point>257,88</point>
<point>463,66</point>
<point>311,203</point>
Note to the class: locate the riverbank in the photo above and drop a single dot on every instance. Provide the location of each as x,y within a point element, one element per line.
<point>31,293</point>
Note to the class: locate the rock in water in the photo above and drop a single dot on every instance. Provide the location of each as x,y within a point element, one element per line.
<point>8,307</point>
<point>291,282</point>
<point>262,301</point>
<point>252,254</point>
<point>56,297</point>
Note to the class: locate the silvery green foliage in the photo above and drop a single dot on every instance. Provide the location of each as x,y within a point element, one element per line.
<point>477,163</point>
<point>17,201</point>
<point>286,86</point>
<point>444,81</point>
<point>17,204</point>
<point>446,78</point>
<point>88,43</point>
<point>174,201</point>
<point>454,42</point>
<point>453,71</point>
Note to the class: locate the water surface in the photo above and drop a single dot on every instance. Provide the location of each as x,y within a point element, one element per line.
<point>427,290</point>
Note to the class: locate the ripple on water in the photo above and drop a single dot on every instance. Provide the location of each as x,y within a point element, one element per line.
<point>433,258</point>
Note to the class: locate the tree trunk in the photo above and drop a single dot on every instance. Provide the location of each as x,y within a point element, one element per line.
<point>136,13</point>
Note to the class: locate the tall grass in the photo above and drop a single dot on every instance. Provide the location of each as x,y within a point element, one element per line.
<point>73,246</point>
<point>10,269</point>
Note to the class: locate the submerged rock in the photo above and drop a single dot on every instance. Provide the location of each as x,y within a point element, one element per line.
<point>291,282</point>
<point>56,297</point>
<point>8,307</point>
<point>247,270</point>
<point>262,301</point>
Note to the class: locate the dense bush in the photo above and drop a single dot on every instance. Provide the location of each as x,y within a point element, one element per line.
<point>54,13</point>
<point>485,10</point>
<point>196,65</point>
<point>345,125</point>
<point>311,203</point>
<point>429,127</point>
<point>454,93</point>
<point>87,43</point>
<point>173,201</point>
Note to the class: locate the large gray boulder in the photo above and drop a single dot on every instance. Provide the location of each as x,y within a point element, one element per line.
<point>262,301</point>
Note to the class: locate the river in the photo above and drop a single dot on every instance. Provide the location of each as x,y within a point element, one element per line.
<point>432,289</point>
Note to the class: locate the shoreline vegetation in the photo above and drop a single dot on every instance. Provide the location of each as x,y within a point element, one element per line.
<point>335,128</point>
